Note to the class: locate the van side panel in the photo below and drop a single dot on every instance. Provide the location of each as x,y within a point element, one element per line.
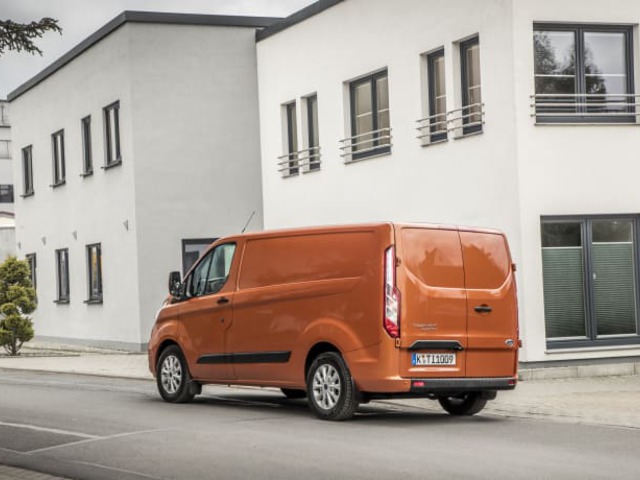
<point>490,282</point>
<point>297,290</point>
<point>430,276</point>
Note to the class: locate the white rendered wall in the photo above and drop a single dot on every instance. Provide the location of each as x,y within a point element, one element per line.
<point>567,170</point>
<point>197,151</point>
<point>6,170</point>
<point>85,210</point>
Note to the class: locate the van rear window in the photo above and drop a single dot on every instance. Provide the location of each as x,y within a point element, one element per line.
<point>486,260</point>
<point>306,258</point>
<point>433,256</point>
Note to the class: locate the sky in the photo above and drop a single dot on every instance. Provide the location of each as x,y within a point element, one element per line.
<point>80,18</point>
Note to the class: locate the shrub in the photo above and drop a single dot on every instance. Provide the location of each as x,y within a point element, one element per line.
<point>17,298</point>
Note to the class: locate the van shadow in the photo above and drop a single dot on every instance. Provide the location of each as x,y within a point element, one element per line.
<point>370,413</point>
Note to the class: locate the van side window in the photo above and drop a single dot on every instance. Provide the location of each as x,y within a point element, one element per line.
<point>211,273</point>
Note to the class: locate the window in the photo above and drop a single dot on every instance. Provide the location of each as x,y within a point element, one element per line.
<point>57,144</point>
<point>437,97</point>
<point>94,273</point>
<point>87,159</point>
<point>583,74</point>
<point>192,249</point>
<point>590,278</point>
<point>5,149</point>
<point>289,161</point>
<point>62,275</point>
<point>27,171</point>
<point>471,88</point>
<point>313,134</point>
<point>370,131</point>
<point>112,135</point>
<point>210,275</point>
<point>6,193</point>
<point>31,260</point>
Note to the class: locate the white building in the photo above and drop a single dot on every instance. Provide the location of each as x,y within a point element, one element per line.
<point>133,151</point>
<point>7,224</point>
<point>425,111</point>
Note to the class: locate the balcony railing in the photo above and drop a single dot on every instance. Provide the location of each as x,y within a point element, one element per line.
<point>459,122</point>
<point>365,145</point>
<point>293,163</point>
<point>5,149</point>
<point>592,108</point>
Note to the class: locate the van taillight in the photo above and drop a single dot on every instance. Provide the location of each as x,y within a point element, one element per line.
<point>391,295</point>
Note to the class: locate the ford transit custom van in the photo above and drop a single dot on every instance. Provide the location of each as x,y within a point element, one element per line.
<point>344,315</point>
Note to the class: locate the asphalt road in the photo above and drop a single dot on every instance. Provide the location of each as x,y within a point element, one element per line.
<point>95,428</point>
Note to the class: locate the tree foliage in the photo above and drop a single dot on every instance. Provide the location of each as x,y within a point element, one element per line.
<point>17,298</point>
<point>21,36</point>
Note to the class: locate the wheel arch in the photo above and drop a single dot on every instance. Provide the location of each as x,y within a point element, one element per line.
<point>318,349</point>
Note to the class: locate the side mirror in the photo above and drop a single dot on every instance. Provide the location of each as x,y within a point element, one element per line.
<point>175,284</point>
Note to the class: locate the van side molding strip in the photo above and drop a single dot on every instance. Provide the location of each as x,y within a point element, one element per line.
<point>436,345</point>
<point>250,357</point>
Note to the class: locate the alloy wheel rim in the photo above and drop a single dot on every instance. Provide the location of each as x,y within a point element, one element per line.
<point>326,386</point>
<point>171,374</point>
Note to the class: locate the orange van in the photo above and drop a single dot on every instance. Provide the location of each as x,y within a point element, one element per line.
<point>343,315</point>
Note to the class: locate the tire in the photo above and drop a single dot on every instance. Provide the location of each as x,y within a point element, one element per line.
<point>331,391</point>
<point>468,403</point>
<point>173,378</point>
<point>293,394</point>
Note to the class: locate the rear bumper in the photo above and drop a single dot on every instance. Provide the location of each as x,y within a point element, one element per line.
<point>453,385</point>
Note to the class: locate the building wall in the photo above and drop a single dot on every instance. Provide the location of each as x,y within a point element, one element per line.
<point>85,210</point>
<point>6,170</point>
<point>197,153</point>
<point>567,170</point>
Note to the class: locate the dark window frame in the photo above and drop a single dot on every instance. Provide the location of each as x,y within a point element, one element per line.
<point>59,163</point>
<point>91,298</point>
<point>377,148</point>
<point>431,85</point>
<point>112,159</point>
<point>27,171</point>
<point>32,261</point>
<point>192,241</point>
<point>291,116</point>
<point>580,86</point>
<point>313,143</point>
<point>61,298</point>
<point>8,196</point>
<point>464,47</point>
<point>591,323</point>
<point>87,149</point>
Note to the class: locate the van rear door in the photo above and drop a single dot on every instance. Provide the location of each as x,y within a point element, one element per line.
<point>433,320</point>
<point>492,306</point>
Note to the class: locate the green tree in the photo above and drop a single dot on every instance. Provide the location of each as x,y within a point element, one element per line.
<point>17,298</point>
<point>21,36</point>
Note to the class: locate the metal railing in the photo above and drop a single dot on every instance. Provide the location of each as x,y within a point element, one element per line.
<point>5,149</point>
<point>366,144</point>
<point>458,122</point>
<point>307,160</point>
<point>432,129</point>
<point>585,108</point>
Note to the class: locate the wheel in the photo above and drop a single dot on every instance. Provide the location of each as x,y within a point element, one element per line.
<point>172,378</point>
<point>293,393</point>
<point>468,403</point>
<point>331,390</point>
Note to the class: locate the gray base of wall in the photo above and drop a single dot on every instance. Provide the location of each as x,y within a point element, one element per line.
<point>92,344</point>
<point>594,367</point>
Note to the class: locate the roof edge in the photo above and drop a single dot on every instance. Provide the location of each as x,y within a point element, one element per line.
<point>295,18</point>
<point>140,17</point>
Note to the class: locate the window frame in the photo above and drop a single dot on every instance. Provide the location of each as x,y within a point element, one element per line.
<point>112,159</point>
<point>32,261</point>
<point>87,149</point>
<point>291,119</point>
<point>313,143</point>
<point>91,298</point>
<point>464,68</point>
<point>210,253</point>
<point>27,171</point>
<point>431,86</point>
<point>58,154</point>
<point>580,86</point>
<point>376,148</point>
<point>591,325</point>
<point>9,194</point>
<point>60,280</point>
<point>193,241</point>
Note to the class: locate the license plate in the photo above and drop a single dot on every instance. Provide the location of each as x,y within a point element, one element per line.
<point>437,359</point>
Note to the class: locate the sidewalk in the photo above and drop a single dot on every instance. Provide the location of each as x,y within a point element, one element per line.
<point>601,400</point>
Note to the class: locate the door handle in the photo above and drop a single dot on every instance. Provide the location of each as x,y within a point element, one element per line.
<point>223,300</point>
<point>484,308</point>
